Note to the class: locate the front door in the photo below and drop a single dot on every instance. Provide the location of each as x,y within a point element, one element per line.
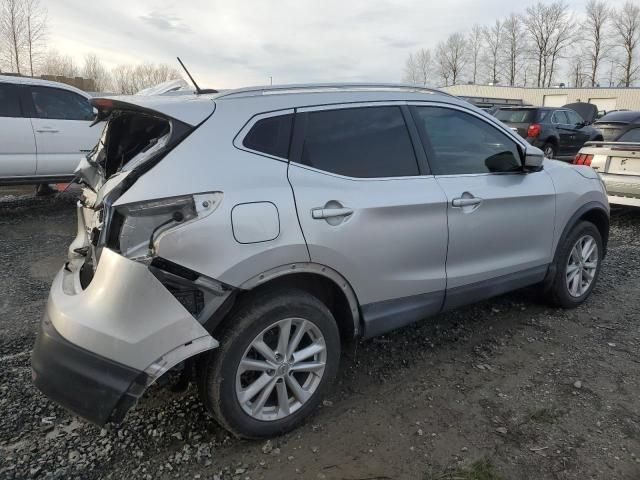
<point>500,218</point>
<point>62,126</point>
<point>367,210</point>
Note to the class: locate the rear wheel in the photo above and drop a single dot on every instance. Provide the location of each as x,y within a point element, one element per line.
<point>275,361</point>
<point>577,266</point>
<point>549,150</point>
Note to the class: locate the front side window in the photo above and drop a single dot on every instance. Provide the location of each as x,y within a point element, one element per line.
<point>59,104</point>
<point>271,136</point>
<point>9,103</point>
<point>459,143</point>
<point>366,142</point>
<point>632,135</point>
<point>574,118</point>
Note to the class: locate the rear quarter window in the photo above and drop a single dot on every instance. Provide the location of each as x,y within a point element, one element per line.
<point>270,136</point>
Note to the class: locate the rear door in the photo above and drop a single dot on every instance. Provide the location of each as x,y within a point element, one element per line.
<point>500,219</point>
<point>62,126</point>
<point>17,144</point>
<point>369,210</point>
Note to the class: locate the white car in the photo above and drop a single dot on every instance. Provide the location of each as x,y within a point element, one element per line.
<point>45,129</point>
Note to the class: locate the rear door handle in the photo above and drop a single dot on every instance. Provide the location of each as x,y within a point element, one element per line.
<point>320,213</point>
<point>47,130</point>
<point>466,202</point>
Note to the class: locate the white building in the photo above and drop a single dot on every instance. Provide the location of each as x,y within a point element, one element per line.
<point>606,99</point>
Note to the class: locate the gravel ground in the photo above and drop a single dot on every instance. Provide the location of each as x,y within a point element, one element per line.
<point>507,388</point>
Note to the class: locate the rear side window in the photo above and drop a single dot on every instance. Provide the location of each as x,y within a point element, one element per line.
<point>59,104</point>
<point>271,136</point>
<point>366,142</point>
<point>9,103</point>
<point>559,117</point>
<point>632,135</point>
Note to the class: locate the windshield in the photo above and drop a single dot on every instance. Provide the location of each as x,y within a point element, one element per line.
<point>516,115</point>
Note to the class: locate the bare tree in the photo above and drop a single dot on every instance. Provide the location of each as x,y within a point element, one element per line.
<point>598,15</point>
<point>563,34</point>
<point>493,37</point>
<point>129,79</point>
<point>451,58</point>
<point>579,71</point>
<point>12,29</point>
<point>626,22</point>
<point>35,24</point>
<point>58,65</point>
<point>96,71</point>
<point>551,30</point>
<point>418,67</point>
<point>475,44</point>
<point>514,46</point>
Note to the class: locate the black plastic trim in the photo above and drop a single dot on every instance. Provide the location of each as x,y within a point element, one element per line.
<point>475,292</point>
<point>381,317</point>
<point>578,214</point>
<point>90,386</point>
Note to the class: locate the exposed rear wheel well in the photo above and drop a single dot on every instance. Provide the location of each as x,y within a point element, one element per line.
<point>321,287</point>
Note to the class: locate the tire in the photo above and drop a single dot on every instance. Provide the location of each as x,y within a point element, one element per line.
<point>549,150</point>
<point>265,315</point>
<point>559,293</point>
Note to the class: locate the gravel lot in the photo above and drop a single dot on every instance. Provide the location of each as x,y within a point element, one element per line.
<point>507,388</point>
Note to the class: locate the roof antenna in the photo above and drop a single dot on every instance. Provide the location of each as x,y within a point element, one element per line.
<point>199,91</point>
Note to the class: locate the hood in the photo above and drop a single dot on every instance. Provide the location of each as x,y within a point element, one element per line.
<point>189,109</point>
<point>588,111</point>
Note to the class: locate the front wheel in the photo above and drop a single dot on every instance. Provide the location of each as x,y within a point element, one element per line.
<point>275,361</point>
<point>577,266</point>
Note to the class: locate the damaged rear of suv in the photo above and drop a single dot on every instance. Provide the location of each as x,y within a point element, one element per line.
<point>118,314</point>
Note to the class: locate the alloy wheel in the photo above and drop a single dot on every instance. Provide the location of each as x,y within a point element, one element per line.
<point>281,369</point>
<point>582,266</point>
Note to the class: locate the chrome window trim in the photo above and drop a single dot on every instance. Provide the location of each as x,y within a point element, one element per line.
<point>238,140</point>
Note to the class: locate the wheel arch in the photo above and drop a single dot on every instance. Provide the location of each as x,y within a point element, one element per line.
<point>321,281</point>
<point>593,212</point>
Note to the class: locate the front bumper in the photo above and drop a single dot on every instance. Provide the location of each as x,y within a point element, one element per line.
<point>100,347</point>
<point>91,386</point>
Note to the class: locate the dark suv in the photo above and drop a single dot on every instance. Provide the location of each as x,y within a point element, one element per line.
<point>559,132</point>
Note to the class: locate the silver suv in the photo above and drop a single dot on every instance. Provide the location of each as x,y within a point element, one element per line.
<point>244,235</point>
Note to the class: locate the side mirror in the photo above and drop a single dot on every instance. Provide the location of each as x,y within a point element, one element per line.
<point>533,158</point>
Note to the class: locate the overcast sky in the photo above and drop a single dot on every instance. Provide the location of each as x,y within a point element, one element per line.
<point>242,42</point>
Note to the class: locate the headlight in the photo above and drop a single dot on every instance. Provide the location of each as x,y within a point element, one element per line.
<point>144,222</point>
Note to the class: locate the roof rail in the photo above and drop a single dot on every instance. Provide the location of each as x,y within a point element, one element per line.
<point>325,87</point>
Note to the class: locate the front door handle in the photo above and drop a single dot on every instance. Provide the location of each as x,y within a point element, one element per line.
<point>47,130</point>
<point>324,213</point>
<point>466,202</point>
